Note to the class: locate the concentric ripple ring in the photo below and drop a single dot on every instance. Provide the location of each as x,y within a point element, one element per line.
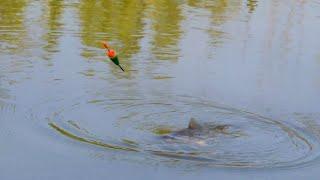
<point>252,140</point>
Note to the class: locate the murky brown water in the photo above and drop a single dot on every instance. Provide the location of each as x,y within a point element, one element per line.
<point>66,112</point>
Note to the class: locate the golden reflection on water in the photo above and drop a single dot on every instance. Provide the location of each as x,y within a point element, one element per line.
<point>118,22</point>
<point>221,10</point>
<point>53,25</point>
<point>12,27</point>
<point>115,21</point>
<point>166,18</point>
<point>123,23</point>
<point>252,4</point>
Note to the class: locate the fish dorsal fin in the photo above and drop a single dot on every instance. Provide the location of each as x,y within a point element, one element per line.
<point>193,124</point>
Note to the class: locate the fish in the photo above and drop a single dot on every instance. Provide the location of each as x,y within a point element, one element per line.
<point>197,133</point>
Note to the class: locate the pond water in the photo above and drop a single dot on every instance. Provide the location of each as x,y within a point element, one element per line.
<point>67,112</point>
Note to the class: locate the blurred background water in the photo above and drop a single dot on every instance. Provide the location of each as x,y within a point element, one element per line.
<point>66,112</point>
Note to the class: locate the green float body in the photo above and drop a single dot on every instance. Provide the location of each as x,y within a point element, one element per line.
<point>115,60</point>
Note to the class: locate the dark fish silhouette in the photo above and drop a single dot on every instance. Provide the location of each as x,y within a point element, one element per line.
<point>197,133</point>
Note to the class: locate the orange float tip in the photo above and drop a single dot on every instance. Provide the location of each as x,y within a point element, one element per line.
<point>111,53</point>
<point>105,44</point>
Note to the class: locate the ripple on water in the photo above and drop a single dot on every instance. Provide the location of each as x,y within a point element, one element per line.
<point>251,141</point>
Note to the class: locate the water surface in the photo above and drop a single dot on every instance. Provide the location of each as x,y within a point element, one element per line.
<point>66,112</point>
